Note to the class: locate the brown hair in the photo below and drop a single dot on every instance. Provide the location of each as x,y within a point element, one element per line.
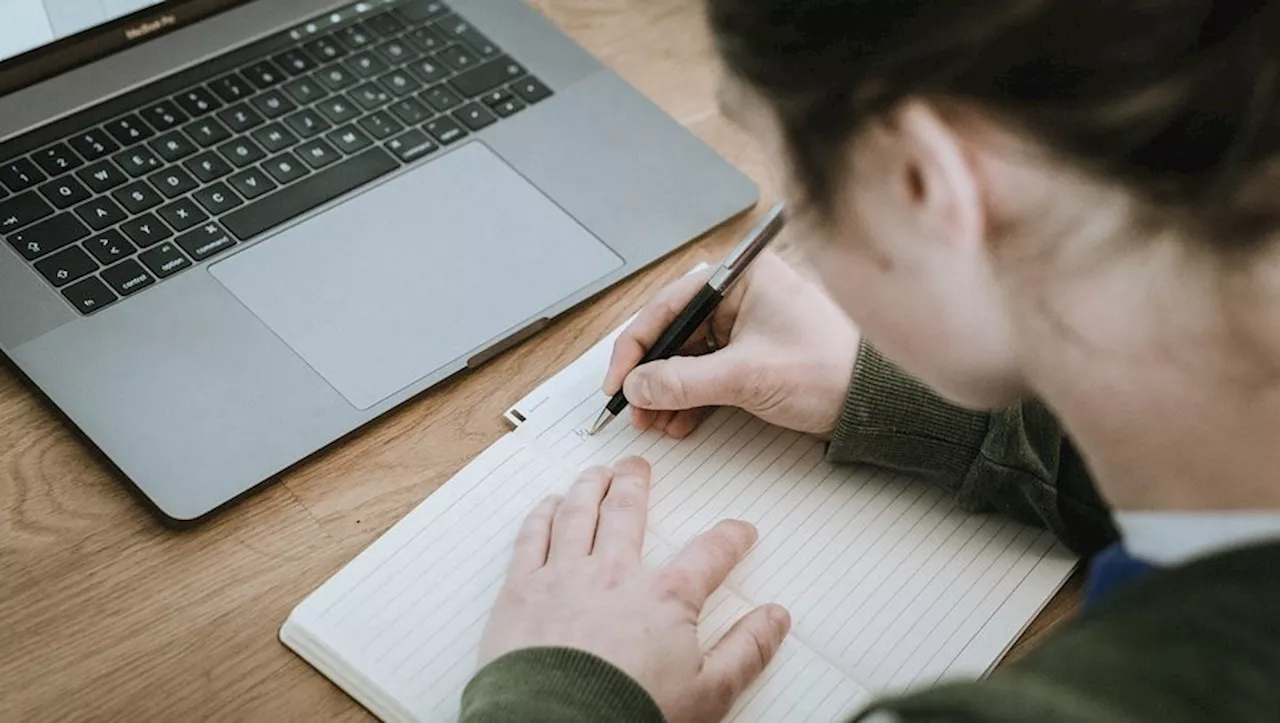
<point>1179,100</point>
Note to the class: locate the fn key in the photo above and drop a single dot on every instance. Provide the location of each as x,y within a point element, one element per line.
<point>89,295</point>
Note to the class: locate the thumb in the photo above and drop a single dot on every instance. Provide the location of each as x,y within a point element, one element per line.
<point>744,652</point>
<point>686,382</point>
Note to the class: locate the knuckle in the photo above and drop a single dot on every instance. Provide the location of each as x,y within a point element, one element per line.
<point>674,584</point>
<point>724,690</point>
<point>621,501</point>
<point>757,385</point>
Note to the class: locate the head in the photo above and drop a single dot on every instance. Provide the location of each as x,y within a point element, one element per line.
<point>968,168</point>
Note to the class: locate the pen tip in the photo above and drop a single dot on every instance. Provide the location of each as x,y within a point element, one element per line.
<point>602,421</point>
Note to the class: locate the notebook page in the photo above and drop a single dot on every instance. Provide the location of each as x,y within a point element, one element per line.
<point>407,614</point>
<point>884,575</point>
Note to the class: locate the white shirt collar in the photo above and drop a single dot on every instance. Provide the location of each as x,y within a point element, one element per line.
<point>1173,538</point>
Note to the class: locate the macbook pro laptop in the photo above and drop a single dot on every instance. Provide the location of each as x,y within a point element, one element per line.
<point>235,231</point>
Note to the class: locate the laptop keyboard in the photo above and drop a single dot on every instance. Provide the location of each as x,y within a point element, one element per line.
<point>117,198</point>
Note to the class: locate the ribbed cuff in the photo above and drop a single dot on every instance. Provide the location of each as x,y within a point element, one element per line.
<point>891,420</point>
<point>541,685</point>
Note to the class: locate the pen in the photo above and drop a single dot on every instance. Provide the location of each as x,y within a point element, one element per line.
<point>706,301</point>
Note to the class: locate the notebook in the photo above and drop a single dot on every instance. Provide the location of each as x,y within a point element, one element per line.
<point>890,585</point>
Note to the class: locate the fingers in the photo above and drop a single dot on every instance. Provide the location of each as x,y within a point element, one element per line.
<point>689,382</point>
<point>744,652</point>
<point>649,324</point>
<point>573,531</point>
<point>702,566</point>
<point>624,511</point>
<point>684,422</point>
<point>534,538</point>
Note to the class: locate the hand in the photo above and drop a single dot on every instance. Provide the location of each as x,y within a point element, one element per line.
<point>787,355</point>
<point>576,581</point>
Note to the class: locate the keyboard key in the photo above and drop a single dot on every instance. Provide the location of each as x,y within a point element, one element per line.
<point>444,129</point>
<point>196,102</point>
<point>102,176</point>
<point>494,97</point>
<point>64,192</point>
<point>274,137</point>
<point>427,39</point>
<point>509,107</point>
<point>462,30</point>
<point>285,168</point>
<point>325,49</point>
<point>217,199</point>
<point>205,241</point>
<point>441,97</point>
<point>419,11</point>
<point>336,77</point>
<point>530,89</point>
<point>173,182</point>
<point>397,52</point>
<point>89,295</point>
<point>137,161</point>
<point>349,139</point>
<point>304,90</point>
<point>273,104</point>
<point>307,123</point>
<point>338,109</point>
<point>137,197</point>
<point>57,158</point>
<point>475,116</point>
<point>264,74</point>
<point>411,145</point>
<point>164,260</point>
<point>323,186</point>
<point>173,146</point>
<point>240,118</point>
<point>127,277</point>
<point>182,214</point>
<point>108,247</point>
<point>232,88</point>
<point>207,132</point>
<point>208,166</point>
<point>399,83</point>
<point>410,111</point>
<point>146,230</point>
<point>251,183</point>
<point>241,152</point>
<point>458,57</point>
<point>66,266</point>
<point>48,236</point>
<point>317,153</point>
<point>429,70</point>
<point>164,116</point>
<point>21,210</point>
<point>100,213</point>
<point>384,24</point>
<point>94,144</point>
<point>21,174</point>
<point>365,65</point>
<point>488,76</point>
<point>380,125</point>
<point>354,36</point>
<point>295,62</point>
<point>129,130</point>
<point>370,96</point>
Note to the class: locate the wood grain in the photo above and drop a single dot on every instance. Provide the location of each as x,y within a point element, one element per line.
<point>105,615</point>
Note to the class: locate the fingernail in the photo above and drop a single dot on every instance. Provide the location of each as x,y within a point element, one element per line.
<point>779,618</point>
<point>637,388</point>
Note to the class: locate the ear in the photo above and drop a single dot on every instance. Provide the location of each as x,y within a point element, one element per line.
<point>938,180</point>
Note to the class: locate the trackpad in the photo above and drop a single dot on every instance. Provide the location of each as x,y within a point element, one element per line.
<point>410,277</point>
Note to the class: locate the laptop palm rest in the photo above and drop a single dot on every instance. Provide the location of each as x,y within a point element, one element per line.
<point>416,274</point>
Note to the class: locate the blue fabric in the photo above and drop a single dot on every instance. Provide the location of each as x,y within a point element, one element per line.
<point>1111,569</point>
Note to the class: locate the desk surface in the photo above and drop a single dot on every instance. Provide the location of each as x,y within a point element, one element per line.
<point>104,614</point>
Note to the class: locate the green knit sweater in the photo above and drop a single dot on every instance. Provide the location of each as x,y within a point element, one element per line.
<point>1200,642</point>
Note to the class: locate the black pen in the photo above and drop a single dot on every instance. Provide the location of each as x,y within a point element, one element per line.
<point>699,309</point>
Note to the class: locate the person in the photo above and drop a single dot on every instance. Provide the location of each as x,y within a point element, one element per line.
<point>1062,210</point>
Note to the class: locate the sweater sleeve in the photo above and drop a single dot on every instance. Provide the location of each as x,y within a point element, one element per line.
<point>1015,461</point>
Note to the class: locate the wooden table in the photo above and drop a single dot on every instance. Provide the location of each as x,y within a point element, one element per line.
<point>106,615</point>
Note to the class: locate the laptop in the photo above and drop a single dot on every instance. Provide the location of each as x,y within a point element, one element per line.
<point>236,231</point>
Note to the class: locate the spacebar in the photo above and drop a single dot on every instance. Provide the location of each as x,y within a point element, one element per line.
<point>292,201</point>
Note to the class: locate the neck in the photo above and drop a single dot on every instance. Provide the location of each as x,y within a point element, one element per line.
<point>1167,381</point>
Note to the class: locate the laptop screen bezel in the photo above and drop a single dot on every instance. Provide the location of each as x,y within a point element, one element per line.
<point>102,40</point>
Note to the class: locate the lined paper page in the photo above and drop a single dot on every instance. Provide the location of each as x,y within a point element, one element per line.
<point>883,574</point>
<point>408,613</point>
